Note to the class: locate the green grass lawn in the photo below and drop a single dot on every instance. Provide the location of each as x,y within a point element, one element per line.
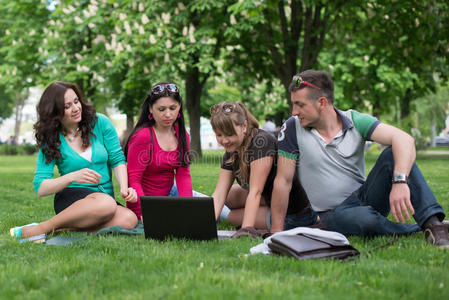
<point>130,267</point>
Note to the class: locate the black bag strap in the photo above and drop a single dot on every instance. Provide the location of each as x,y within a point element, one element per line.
<point>385,245</point>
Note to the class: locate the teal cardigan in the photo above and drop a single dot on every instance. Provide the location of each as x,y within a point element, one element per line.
<point>106,155</point>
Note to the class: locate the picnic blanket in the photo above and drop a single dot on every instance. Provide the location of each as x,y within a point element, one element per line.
<point>68,240</point>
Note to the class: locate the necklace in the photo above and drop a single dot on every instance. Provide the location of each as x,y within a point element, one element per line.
<point>71,138</point>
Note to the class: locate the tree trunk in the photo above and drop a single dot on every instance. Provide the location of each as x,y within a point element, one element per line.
<point>433,133</point>
<point>129,127</point>
<point>376,109</point>
<point>129,123</point>
<point>20,103</point>
<point>312,20</point>
<point>405,104</point>
<point>193,97</point>
<point>288,97</point>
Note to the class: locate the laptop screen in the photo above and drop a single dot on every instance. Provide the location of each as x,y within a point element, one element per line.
<point>178,217</point>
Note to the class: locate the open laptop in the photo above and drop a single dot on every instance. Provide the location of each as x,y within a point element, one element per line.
<point>190,218</point>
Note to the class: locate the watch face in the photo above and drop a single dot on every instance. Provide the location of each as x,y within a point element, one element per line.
<point>400,177</point>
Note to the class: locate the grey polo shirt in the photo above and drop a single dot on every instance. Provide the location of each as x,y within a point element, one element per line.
<point>329,172</point>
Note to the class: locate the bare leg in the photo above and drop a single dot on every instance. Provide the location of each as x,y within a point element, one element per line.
<point>123,217</point>
<point>91,212</point>
<point>236,217</point>
<point>236,202</point>
<point>237,197</point>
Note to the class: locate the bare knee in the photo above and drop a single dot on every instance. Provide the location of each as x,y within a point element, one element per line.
<point>236,197</point>
<point>236,216</point>
<point>103,206</point>
<point>125,218</point>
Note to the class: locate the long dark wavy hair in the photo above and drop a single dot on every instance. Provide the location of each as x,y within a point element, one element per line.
<point>144,121</point>
<point>223,121</point>
<point>50,112</point>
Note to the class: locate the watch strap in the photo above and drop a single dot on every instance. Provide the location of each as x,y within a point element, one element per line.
<point>400,178</point>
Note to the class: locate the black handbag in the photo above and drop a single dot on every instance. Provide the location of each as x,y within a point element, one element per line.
<point>303,246</point>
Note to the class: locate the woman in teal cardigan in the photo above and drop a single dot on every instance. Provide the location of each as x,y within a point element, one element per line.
<point>85,147</point>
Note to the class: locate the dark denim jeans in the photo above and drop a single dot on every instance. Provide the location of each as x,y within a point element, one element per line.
<point>307,218</point>
<point>364,212</point>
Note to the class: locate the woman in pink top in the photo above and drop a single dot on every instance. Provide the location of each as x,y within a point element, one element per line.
<point>157,150</point>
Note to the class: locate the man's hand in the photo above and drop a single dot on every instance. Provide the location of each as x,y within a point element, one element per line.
<point>400,203</point>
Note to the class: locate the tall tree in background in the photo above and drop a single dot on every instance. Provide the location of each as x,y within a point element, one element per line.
<point>390,54</point>
<point>6,104</point>
<point>132,58</point>
<point>21,26</point>
<point>382,54</point>
<point>118,50</point>
<point>107,48</point>
<point>74,47</point>
<point>279,38</point>
<point>193,35</point>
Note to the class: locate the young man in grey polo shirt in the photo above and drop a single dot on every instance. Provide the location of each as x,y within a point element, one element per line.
<point>326,145</point>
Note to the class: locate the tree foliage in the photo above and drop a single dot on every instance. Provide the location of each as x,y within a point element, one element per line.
<point>117,50</point>
<point>21,35</point>
<point>276,39</point>
<point>382,54</point>
<point>193,37</point>
<point>391,53</point>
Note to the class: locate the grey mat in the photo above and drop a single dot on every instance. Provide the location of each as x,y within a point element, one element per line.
<point>68,240</point>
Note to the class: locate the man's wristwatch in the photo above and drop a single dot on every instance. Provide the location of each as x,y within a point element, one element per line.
<point>400,178</point>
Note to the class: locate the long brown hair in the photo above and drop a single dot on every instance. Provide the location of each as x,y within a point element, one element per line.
<point>50,111</point>
<point>144,121</point>
<point>223,118</point>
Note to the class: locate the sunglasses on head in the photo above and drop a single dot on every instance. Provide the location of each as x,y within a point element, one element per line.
<point>299,81</point>
<point>227,108</point>
<point>160,88</point>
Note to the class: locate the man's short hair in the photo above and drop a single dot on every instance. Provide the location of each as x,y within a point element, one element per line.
<point>318,83</point>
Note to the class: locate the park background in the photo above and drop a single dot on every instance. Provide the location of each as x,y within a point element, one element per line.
<point>387,58</point>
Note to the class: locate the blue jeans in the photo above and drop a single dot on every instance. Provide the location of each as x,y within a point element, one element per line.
<point>174,191</point>
<point>307,218</point>
<point>365,212</point>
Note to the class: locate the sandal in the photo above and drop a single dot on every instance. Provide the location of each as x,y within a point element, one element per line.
<point>17,233</point>
<point>249,232</point>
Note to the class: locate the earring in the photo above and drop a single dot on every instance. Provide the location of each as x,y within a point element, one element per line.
<point>150,117</point>
<point>179,115</point>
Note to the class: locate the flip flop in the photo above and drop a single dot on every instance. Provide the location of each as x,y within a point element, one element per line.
<point>17,233</point>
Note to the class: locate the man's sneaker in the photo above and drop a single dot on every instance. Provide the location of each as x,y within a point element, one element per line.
<point>437,235</point>
<point>446,222</point>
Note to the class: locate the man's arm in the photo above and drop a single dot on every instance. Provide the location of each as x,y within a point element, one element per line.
<point>404,153</point>
<point>281,191</point>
